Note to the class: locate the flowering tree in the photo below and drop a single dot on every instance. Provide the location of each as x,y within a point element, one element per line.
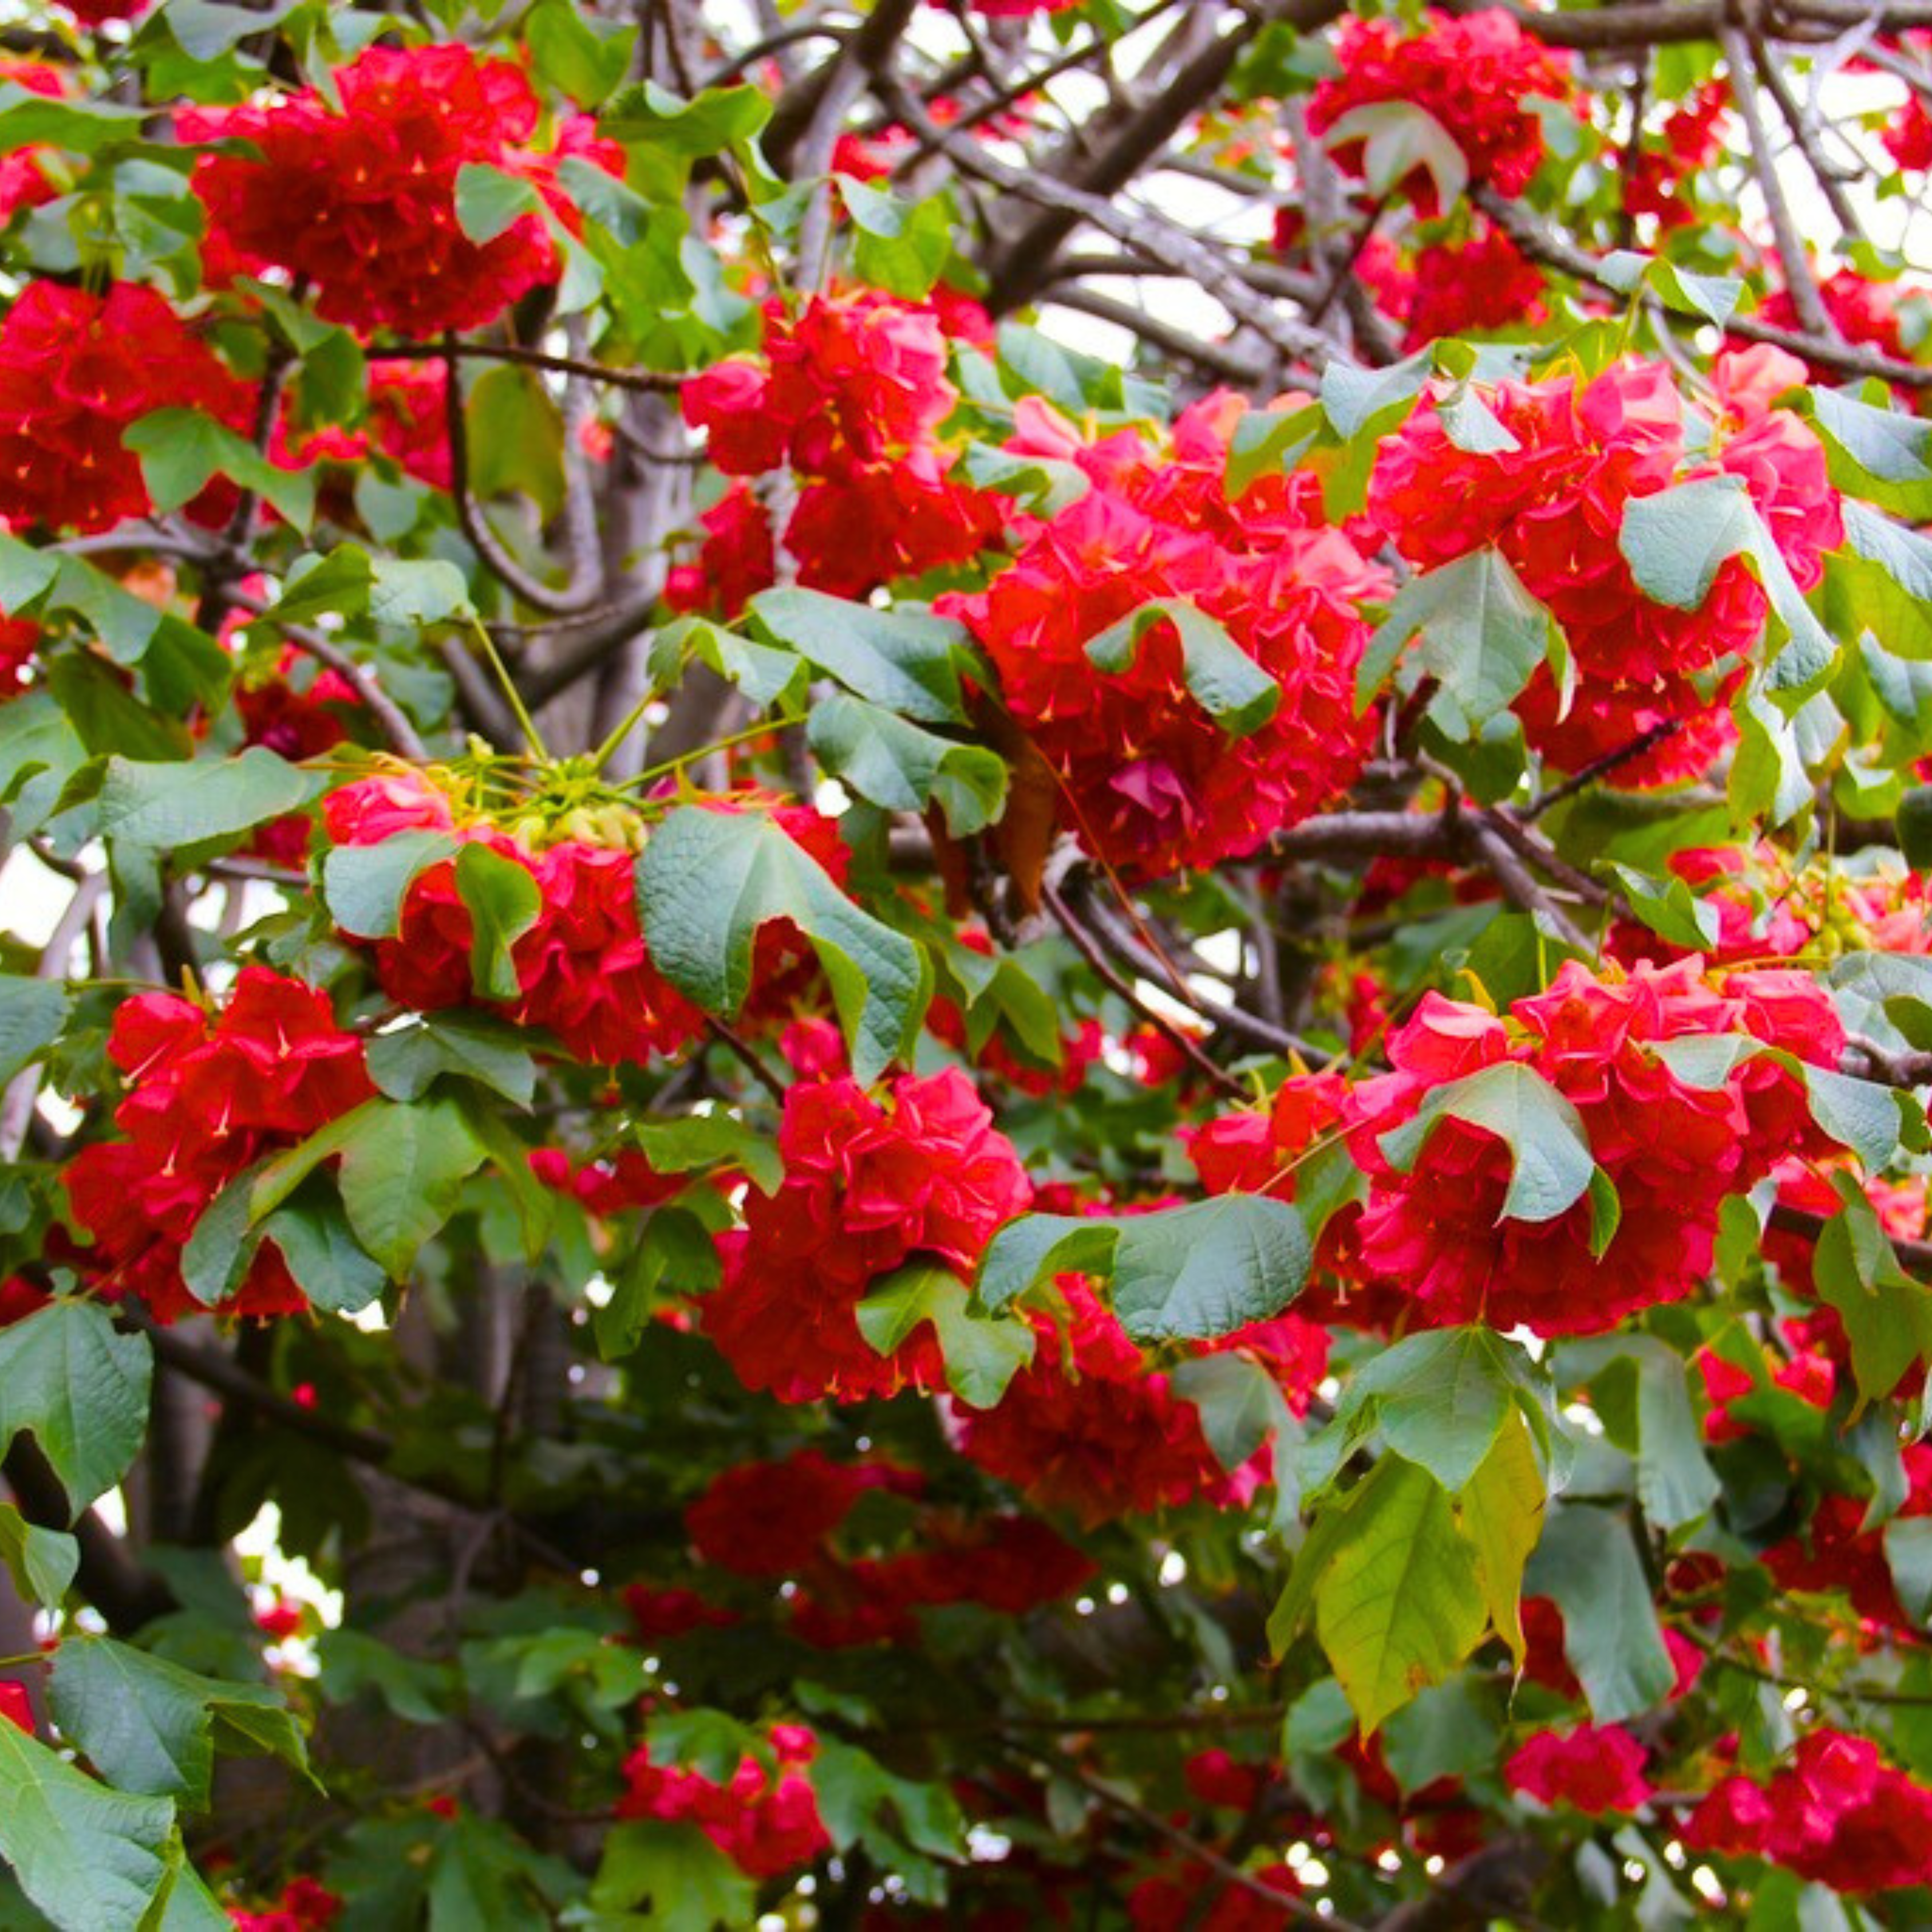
<point>965,965</point>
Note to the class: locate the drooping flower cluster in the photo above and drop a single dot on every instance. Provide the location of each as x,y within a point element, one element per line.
<point>583,966</point>
<point>1672,1151</point>
<point>869,1185</point>
<point>1151,780</point>
<point>764,1818</point>
<point>1553,504</point>
<point>1593,1769</point>
<point>209,1095</point>
<point>1475,75</point>
<point>361,199</point>
<point>848,395</point>
<point>1837,1814</point>
<point>75,370</point>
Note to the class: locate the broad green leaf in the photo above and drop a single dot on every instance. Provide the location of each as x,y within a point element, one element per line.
<point>490,201</point>
<point>1882,455</point>
<point>1448,1730</point>
<point>42,1562</point>
<point>1482,637</point>
<point>517,433</point>
<point>653,116</point>
<point>906,661</point>
<point>329,1264</point>
<point>763,672</point>
<point>1353,397</point>
<point>503,901</point>
<point>468,1046</point>
<point>1229,685</point>
<point>706,1140</point>
<point>1908,1551</point>
<point>32,1015</point>
<point>1644,1379</point>
<point>1208,1268</point>
<point>1034,1248</point>
<point>1677,540</point>
<point>182,450</point>
<point>1715,297</point>
<point>584,56</point>
<point>79,1388</point>
<point>1588,1563</point>
<point>1887,1315</point>
<point>983,1352</point>
<point>411,591</point>
<point>1500,1511</point>
<point>403,1171</point>
<point>1550,1160</point>
<point>91,1858</point>
<point>899,246</point>
<point>903,767</point>
<point>1881,582</point>
<point>1400,1602</point>
<point>1860,1114</point>
<point>365,885</point>
<point>689,1884</point>
<point>675,1245</point>
<point>149,1725</point>
<point>709,880</point>
<point>1441,1398</point>
<point>1397,138</point>
<point>167,806</point>
<point>1670,909</point>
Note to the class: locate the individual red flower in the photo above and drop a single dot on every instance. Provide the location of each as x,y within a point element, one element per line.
<point>737,559</point>
<point>1593,1769</point>
<point>305,1906</point>
<point>868,1186</point>
<point>1554,506</point>
<point>18,1299</point>
<point>1474,286</point>
<point>361,200</point>
<point>15,1708</point>
<point>1672,1151</point>
<point>1150,780</point>
<point>98,12</point>
<point>1215,1778</point>
<point>24,180</point>
<point>209,1096</point>
<point>1837,1815</point>
<point>1475,75</point>
<point>764,1819</point>
<point>659,1616</point>
<point>75,370</point>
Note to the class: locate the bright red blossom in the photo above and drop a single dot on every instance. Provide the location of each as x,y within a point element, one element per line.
<point>764,1818</point>
<point>1592,1769</point>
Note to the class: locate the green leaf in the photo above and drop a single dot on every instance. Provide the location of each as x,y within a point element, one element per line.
<point>364,887</point>
<point>32,1015</point>
<point>504,902</point>
<point>79,1388</point>
<point>1675,1481</point>
<point>1500,1511</point>
<point>149,1725</point>
<point>1881,583</point>
<point>1398,137</point>
<point>91,1858</point>
<point>316,585</point>
<point>1441,1398</point>
<point>1715,297</point>
<point>1677,540</point>
<point>410,592</point>
<point>166,807</point>
<point>1208,1268</point>
<point>716,119</point>
<point>1240,1403</point>
<point>585,58</point>
<point>1448,1731</point>
<point>982,1353</point>
<point>490,201</point>
<point>762,672</point>
<point>1034,1248</point>
<point>42,1562</point>
<point>903,767</point>
<point>403,1171</point>
<point>181,451</point>
<point>1913,822</point>
<point>517,433</point>
<point>1908,1550</point>
<point>709,880</point>
<point>1353,397</point>
<point>675,1244</point>
<point>709,1140</point>
<point>1860,1114</point>
<point>1482,637</point>
<point>1887,1315</point>
<point>689,1883</point>
<point>1550,1160</point>
<point>1670,909</point>
<point>468,1046</point>
<point>1230,686</point>
<point>906,661</point>
<point>328,1264</point>
<point>1588,1563</point>
<point>899,246</point>
<point>1882,455</point>
<point>1400,1601</point>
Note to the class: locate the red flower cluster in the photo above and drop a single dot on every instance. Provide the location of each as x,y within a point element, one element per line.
<point>583,969</point>
<point>296,715</point>
<point>1475,75</point>
<point>773,1519</point>
<point>868,1187</point>
<point>75,370</point>
<point>14,1707</point>
<point>1171,1902</point>
<point>1834,1551</point>
<point>210,1094</point>
<point>1837,1815</point>
<point>1674,1152</point>
<point>361,201</point>
<point>849,395</point>
<point>1592,1769</point>
<point>1554,507</point>
<point>1150,780</point>
<point>305,1906</point>
<point>765,1819</point>
<point>1088,1427</point>
<point>19,644</point>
